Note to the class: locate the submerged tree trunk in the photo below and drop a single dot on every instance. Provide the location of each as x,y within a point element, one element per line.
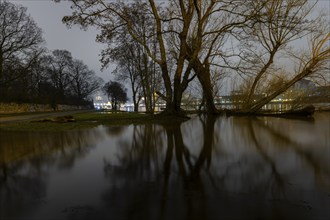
<point>308,70</point>
<point>258,105</point>
<point>320,56</point>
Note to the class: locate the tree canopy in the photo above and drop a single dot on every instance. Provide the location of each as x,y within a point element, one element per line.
<point>20,41</point>
<point>116,93</point>
<point>189,39</point>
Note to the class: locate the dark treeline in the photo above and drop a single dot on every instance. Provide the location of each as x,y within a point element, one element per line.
<point>29,73</point>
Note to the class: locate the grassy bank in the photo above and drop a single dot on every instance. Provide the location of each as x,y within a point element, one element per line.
<point>89,120</point>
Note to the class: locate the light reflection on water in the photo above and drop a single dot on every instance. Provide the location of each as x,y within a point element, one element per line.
<point>205,168</point>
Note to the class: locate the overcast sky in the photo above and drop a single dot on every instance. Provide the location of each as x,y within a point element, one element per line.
<point>81,44</point>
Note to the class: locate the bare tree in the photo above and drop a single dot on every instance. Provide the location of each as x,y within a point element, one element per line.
<point>212,24</point>
<point>115,17</point>
<point>134,65</point>
<point>316,62</point>
<point>194,35</point>
<point>58,71</point>
<point>280,23</point>
<point>20,41</point>
<point>126,71</point>
<point>84,82</point>
<point>178,39</point>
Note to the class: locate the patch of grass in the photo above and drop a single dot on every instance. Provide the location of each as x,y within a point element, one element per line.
<point>44,126</point>
<point>93,119</point>
<point>107,115</point>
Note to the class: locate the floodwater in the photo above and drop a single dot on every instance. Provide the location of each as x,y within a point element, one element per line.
<point>205,168</point>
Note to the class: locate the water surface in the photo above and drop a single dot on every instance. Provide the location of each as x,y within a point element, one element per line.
<point>205,168</point>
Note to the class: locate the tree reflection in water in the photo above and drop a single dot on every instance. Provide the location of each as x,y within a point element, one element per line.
<point>162,174</point>
<point>24,162</point>
<point>204,168</point>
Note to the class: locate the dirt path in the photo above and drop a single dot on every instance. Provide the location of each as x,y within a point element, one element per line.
<point>35,116</point>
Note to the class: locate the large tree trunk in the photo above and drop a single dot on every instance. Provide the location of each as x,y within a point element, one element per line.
<point>136,107</point>
<point>1,66</point>
<point>178,86</point>
<point>163,58</point>
<point>177,96</point>
<point>147,84</point>
<point>203,75</point>
<point>168,89</point>
<point>205,81</point>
